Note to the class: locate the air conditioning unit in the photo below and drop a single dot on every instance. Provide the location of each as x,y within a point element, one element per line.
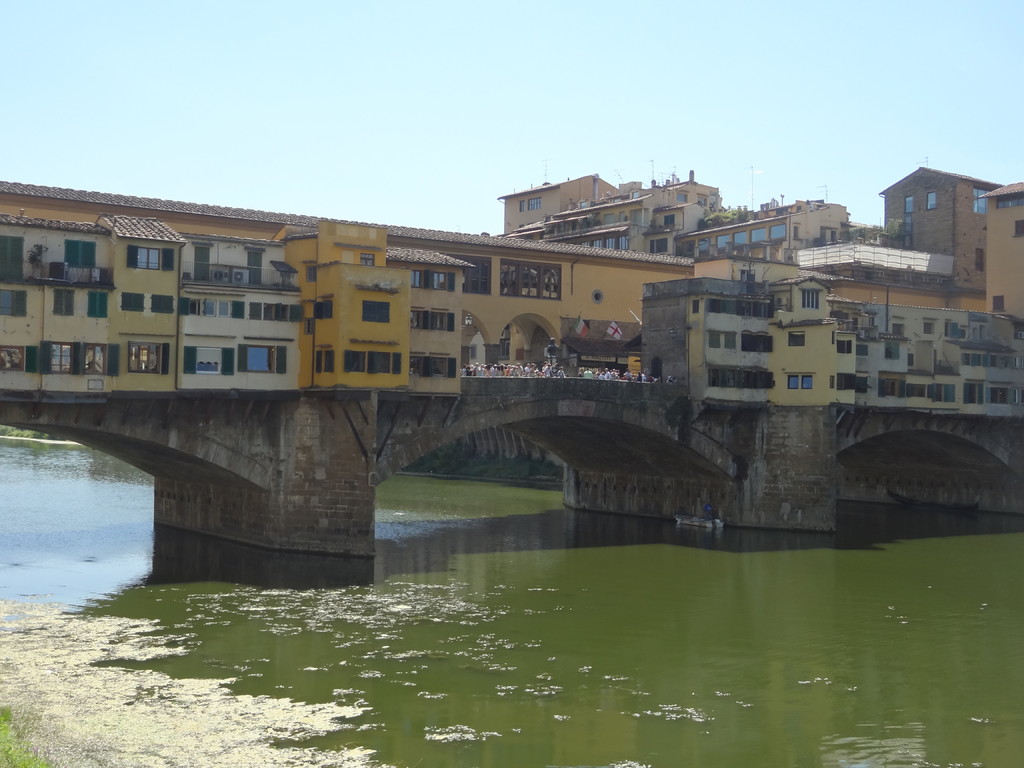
<point>220,275</point>
<point>239,276</point>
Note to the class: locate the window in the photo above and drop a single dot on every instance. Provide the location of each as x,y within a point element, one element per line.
<point>796,232</point>
<point>355,362</point>
<point>96,304</point>
<point>324,361</point>
<point>477,278</point>
<point>522,206</point>
<point>162,304</point>
<point>12,358</point>
<point>844,346</point>
<point>793,381</point>
<point>443,367</point>
<point>95,358</point>
<point>669,220</point>
<point>680,197</point>
<point>973,391</point>
<point>980,204</point>
<point>756,342</point>
<point>740,238</point>
<point>862,350</point>
<point>133,302</point>
<point>757,235</point>
<point>530,279</point>
<point>807,381</point>
<point>60,357</point>
<point>846,381</point>
<point>202,262</point>
<point>908,204</point>
<point>916,390</point>
<point>979,259</point>
<point>79,253</point>
<point>145,258</point>
<point>311,273</point>
<point>366,259</point>
<point>209,360</point>
<point>928,327</point>
<point>777,232</point>
<point>659,245</point>
<point>942,393</point>
<point>797,339</point>
<point>13,303</point>
<point>897,329</point>
<point>376,312</point>
<point>892,350</point>
<point>714,339</point>
<point>63,301</point>
<point>442,281</point>
<point>259,358</point>
<point>11,257</point>
<point>810,298</point>
<point>146,357</point>
<point>254,260</point>
<point>383,362</point>
<point>998,303</point>
<point>930,202</point>
<point>533,204</point>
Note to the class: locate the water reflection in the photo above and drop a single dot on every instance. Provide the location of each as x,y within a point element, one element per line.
<point>410,545</point>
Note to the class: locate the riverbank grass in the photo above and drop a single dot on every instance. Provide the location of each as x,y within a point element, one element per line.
<point>15,753</point>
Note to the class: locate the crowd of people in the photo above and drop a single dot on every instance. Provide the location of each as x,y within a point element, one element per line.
<point>546,370</point>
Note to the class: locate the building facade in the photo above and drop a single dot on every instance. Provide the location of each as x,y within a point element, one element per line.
<point>940,212</point>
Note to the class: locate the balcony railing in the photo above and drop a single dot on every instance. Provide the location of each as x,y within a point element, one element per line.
<point>58,270</point>
<point>281,276</point>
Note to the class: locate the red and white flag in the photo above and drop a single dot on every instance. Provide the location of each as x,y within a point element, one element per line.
<point>614,331</point>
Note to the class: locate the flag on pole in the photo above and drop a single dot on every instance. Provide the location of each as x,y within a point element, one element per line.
<point>614,331</point>
<point>580,326</point>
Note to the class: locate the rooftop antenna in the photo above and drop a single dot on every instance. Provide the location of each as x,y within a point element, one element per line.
<point>545,161</point>
<point>752,174</point>
<point>925,161</point>
<point>825,187</point>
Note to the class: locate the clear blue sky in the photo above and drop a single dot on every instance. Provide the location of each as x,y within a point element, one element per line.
<point>422,114</point>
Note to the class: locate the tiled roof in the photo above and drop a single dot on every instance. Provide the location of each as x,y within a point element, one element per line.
<point>108,199</point>
<point>65,226</point>
<point>260,241</point>
<point>142,228</point>
<point>312,221</point>
<point>543,186</point>
<point>1009,189</point>
<point>422,256</point>
<point>941,173</point>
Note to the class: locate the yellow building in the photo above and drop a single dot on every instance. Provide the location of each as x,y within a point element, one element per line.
<point>537,203</point>
<point>355,322</point>
<point>1005,232</point>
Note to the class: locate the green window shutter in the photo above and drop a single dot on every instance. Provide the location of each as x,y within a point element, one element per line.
<point>78,358</point>
<point>396,362</point>
<point>349,359</point>
<point>88,253</point>
<point>45,356</point>
<point>295,313</point>
<point>451,321</point>
<point>238,311</point>
<point>19,307</point>
<point>31,359</point>
<point>11,255</point>
<point>113,359</point>
<point>189,365</point>
<point>243,357</point>
<point>451,282</point>
<point>133,256</point>
<point>451,367</point>
<point>255,310</point>
<point>281,360</point>
<point>90,303</point>
<point>901,389</point>
<point>73,253</point>
<point>165,358</point>
<point>227,361</point>
<point>183,305</point>
<point>167,259</point>
<point>101,304</point>
<point>881,387</point>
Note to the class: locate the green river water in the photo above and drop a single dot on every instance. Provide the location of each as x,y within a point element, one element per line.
<point>497,629</point>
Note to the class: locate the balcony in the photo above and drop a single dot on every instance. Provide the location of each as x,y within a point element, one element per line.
<point>278,276</point>
<point>61,272</point>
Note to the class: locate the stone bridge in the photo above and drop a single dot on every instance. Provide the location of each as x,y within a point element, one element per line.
<point>297,471</point>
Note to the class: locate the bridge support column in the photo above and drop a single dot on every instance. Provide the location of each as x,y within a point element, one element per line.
<point>318,495</point>
<point>791,473</point>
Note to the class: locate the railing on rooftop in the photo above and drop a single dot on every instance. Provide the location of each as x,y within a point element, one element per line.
<point>276,277</point>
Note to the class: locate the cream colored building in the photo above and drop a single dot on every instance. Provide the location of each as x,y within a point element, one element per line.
<point>1005,233</point>
<point>537,203</point>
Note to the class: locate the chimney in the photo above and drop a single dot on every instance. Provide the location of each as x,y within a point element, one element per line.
<point>691,177</point>
<point>593,194</point>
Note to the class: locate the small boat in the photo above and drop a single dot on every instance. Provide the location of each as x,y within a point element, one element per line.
<point>967,509</point>
<point>699,522</point>
<point>706,520</point>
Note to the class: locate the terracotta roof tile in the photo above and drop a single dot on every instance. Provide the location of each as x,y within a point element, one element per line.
<point>1009,189</point>
<point>142,228</point>
<point>66,226</point>
<point>422,256</point>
